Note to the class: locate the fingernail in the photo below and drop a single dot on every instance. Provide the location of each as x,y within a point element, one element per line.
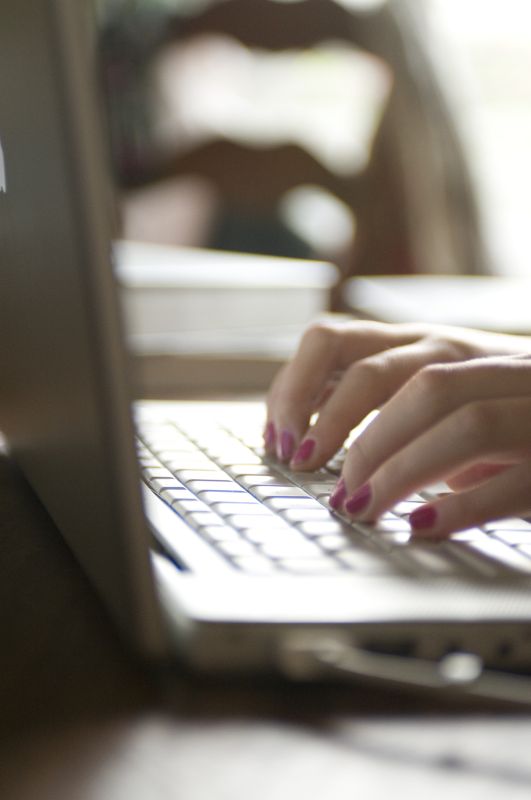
<point>270,436</point>
<point>337,498</point>
<point>423,517</point>
<point>359,500</point>
<point>304,452</point>
<point>286,446</point>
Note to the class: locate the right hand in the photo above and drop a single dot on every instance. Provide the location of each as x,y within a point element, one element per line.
<point>341,372</point>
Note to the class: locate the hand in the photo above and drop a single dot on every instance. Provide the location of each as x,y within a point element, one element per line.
<point>455,405</point>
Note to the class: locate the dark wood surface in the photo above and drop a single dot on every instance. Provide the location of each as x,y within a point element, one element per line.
<point>81,718</point>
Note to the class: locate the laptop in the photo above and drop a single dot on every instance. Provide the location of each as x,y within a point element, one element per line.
<point>255,574</point>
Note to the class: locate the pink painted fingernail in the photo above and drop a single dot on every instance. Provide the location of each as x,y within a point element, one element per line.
<point>423,517</point>
<point>270,436</point>
<point>337,498</point>
<point>359,500</point>
<point>286,446</point>
<point>304,451</point>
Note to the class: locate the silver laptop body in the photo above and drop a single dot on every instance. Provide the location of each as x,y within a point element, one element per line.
<point>66,411</point>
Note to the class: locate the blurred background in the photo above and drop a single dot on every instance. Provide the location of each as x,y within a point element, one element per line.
<point>483,51</point>
<point>388,137</point>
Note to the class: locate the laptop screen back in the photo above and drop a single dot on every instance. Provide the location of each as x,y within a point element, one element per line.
<point>63,402</point>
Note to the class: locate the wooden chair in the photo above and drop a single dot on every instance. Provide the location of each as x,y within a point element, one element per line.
<point>413,201</point>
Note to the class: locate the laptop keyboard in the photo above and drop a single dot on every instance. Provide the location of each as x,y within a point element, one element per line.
<point>263,518</point>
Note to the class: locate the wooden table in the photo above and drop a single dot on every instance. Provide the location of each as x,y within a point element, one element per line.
<point>81,719</point>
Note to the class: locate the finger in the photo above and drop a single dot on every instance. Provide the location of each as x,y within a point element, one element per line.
<point>366,385</point>
<point>301,387</point>
<point>269,432</point>
<point>324,351</point>
<point>507,494</point>
<point>432,394</point>
<point>488,430</point>
<point>474,476</point>
<point>327,392</point>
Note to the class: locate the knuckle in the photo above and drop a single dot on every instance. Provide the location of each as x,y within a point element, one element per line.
<point>276,383</point>
<point>433,383</point>
<point>458,510</point>
<point>357,466</point>
<point>370,372</point>
<point>358,454</point>
<point>433,378</point>
<point>480,423</point>
<point>320,333</point>
<point>289,398</point>
<point>449,348</point>
<point>293,401</point>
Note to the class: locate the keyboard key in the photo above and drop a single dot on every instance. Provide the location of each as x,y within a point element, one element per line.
<point>266,535</point>
<point>236,455</point>
<point>310,566</point>
<point>461,551</point>
<point>212,474</point>
<point>215,440</point>
<point>513,537</point>
<point>290,547</point>
<point>502,554</point>
<point>256,565</point>
<point>468,535</point>
<point>237,470</point>
<point>393,525</point>
<point>236,548</point>
<point>248,522</point>
<point>160,438</point>
<point>157,472</point>
<point>296,515</point>
<point>214,486</point>
<point>160,484</point>
<point>250,509</point>
<point>332,543</point>
<point>177,452</point>
<point>323,528</point>
<point>250,481</point>
<point>392,539</point>
<point>303,478</point>
<point>181,493</point>
<point>284,503</point>
<point>215,498</point>
<point>265,492</point>
<point>190,461</point>
<point>185,507</point>
<point>406,507</point>
<point>509,524</point>
<point>368,532</point>
<point>319,489</point>
<point>226,445</point>
<point>220,533</point>
<point>252,439</point>
<point>203,519</point>
<point>148,461</point>
<point>335,464</point>
<point>365,562</point>
<point>429,558</point>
